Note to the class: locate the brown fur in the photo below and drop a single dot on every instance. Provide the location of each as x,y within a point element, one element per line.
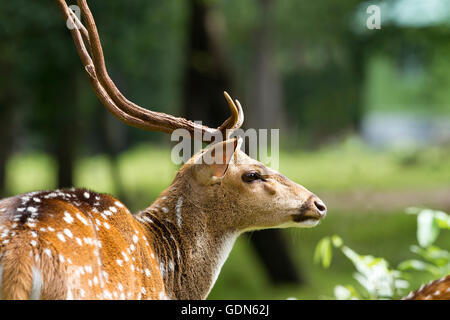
<point>17,280</point>
<point>435,290</point>
<point>73,261</point>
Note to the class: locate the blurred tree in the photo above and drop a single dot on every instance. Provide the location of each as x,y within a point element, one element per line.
<point>207,70</point>
<point>8,125</point>
<point>208,73</point>
<point>265,94</point>
<point>266,112</point>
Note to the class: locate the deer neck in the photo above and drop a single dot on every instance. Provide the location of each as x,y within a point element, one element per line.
<point>190,247</point>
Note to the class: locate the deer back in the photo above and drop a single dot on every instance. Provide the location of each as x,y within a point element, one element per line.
<point>91,236</point>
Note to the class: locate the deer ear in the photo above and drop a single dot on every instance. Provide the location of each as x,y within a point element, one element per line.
<point>216,159</point>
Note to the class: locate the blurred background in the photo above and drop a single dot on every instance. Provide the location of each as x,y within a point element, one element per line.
<point>364,115</point>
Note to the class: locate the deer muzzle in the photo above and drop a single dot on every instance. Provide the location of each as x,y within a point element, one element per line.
<point>311,210</point>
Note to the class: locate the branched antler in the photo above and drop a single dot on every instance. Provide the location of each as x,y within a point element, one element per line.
<point>89,48</point>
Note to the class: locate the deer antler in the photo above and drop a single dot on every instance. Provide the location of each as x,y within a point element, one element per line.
<point>93,61</point>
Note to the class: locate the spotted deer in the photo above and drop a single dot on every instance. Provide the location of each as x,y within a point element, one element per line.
<point>435,290</point>
<point>79,244</point>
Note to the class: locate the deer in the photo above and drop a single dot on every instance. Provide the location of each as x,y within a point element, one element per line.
<point>79,244</point>
<point>434,290</point>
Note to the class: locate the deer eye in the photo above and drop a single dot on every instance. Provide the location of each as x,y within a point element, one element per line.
<point>251,176</point>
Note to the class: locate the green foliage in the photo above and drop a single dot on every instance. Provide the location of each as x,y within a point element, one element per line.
<point>376,279</point>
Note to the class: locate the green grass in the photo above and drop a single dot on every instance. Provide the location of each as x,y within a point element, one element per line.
<point>146,170</point>
<point>351,166</point>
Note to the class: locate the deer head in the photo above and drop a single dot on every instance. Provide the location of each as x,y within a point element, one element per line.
<point>260,197</point>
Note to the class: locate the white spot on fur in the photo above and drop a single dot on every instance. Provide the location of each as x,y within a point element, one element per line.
<point>125,257</point>
<point>86,195</point>
<point>82,219</point>
<point>68,218</point>
<point>164,209</point>
<point>48,252</point>
<point>68,233</point>
<point>178,210</point>
<point>61,237</point>
<point>32,209</point>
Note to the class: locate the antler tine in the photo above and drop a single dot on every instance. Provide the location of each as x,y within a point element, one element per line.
<point>105,88</point>
<point>236,119</point>
<point>240,119</point>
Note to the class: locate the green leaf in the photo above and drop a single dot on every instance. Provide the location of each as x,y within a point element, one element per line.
<point>443,219</point>
<point>427,228</point>
<point>323,252</point>
<point>337,241</point>
<point>419,266</point>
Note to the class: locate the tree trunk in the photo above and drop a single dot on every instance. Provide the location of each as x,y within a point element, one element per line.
<point>67,129</point>
<point>265,91</point>
<point>208,73</point>
<point>7,127</point>
<point>267,113</point>
<point>8,100</point>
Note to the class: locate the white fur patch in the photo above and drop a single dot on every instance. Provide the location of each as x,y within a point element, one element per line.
<point>36,288</point>
<point>178,210</point>
<point>224,252</point>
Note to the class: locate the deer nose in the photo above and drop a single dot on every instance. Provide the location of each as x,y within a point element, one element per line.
<point>320,207</point>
